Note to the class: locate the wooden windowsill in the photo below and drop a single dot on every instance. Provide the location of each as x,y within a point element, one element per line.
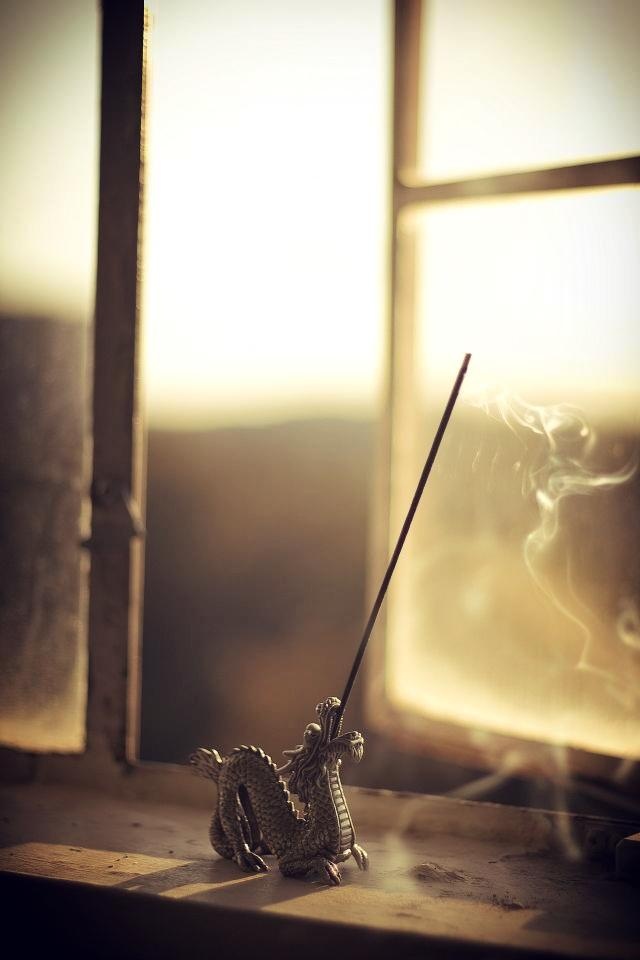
<point>99,876</point>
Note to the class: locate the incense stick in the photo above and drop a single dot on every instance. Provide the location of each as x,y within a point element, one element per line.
<point>403,536</point>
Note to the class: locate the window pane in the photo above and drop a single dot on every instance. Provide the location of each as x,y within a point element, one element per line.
<point>516,607</point>
<point>267,176</point>
<point>512,85</point>
<point>543,288</point>
<point>265,262</point>
<point>48,166</point>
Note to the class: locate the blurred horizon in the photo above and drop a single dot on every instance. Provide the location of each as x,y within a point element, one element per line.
<point>264,285</point>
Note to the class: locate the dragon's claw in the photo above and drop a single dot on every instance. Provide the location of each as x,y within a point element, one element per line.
<point>360,856</point>
<point>250,862</point>
<point>326,871</point>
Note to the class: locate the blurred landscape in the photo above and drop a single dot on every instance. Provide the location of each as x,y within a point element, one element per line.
<point>254,583</point>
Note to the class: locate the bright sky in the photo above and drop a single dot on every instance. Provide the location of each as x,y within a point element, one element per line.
<point>265,273</point>
<point>267,200</point>
<point>543,290</point>
<point>266,197</point>
<point>48,163</point>
<point>516,84</point>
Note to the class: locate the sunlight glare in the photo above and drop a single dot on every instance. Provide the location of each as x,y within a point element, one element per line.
<point>265,232</point>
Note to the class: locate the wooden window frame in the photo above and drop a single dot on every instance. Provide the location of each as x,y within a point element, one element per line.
<point>411,731</point>
<point>110,759</point>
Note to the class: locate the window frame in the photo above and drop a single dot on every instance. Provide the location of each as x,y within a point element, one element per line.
<point>118,461</point>
<point>411,731</point>
<point>110,758</point>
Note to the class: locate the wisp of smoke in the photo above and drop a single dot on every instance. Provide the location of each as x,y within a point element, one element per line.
<point>561,468</point>
<point>628,622</point>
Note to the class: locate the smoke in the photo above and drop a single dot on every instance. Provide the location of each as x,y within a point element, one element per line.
<point>628,622</point>
<point>511,764</point>
<point>561,467</point>
<point>559,461</point>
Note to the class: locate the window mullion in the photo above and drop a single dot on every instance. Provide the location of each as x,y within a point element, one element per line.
<point>601,173</point>
<point>116,436</point>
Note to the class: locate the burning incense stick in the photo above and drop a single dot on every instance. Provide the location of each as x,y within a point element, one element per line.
<point>403,536</point>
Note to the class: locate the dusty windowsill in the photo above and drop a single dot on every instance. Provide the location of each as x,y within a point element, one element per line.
<point>113,877</point>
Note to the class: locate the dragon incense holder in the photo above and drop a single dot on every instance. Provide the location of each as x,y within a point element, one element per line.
<point>254,814</point>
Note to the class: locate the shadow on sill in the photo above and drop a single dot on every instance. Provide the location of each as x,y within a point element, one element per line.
<point>110,877</point>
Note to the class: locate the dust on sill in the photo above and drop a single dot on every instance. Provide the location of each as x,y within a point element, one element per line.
<point>452,873</point>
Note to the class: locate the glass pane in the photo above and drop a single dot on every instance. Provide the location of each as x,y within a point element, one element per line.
<point>513,85</point>
<point>543,288</point>
<point>48,188</point>
<point>265,297</point>
<point>265,263</point>
<point>516,608</point>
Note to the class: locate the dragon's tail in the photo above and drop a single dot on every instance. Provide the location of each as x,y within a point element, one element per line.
<point>206,763</point>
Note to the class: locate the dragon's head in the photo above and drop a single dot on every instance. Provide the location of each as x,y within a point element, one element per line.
<point>324,747</point>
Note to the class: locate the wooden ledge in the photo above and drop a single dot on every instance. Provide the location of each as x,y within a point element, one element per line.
<point>97,876</point>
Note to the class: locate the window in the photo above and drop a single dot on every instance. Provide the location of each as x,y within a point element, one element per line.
<point>512,631</point>
<point>265,293</point>
<point>51,64</point>
<point>49,122</point>
<point>470,214</point>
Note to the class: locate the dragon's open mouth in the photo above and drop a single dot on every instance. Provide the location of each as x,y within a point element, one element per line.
<point>349,744</point>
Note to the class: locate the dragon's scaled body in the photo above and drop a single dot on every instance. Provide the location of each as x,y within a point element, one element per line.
<point>254,813</point>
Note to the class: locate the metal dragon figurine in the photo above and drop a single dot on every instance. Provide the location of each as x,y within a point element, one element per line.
<point>254,811</point>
